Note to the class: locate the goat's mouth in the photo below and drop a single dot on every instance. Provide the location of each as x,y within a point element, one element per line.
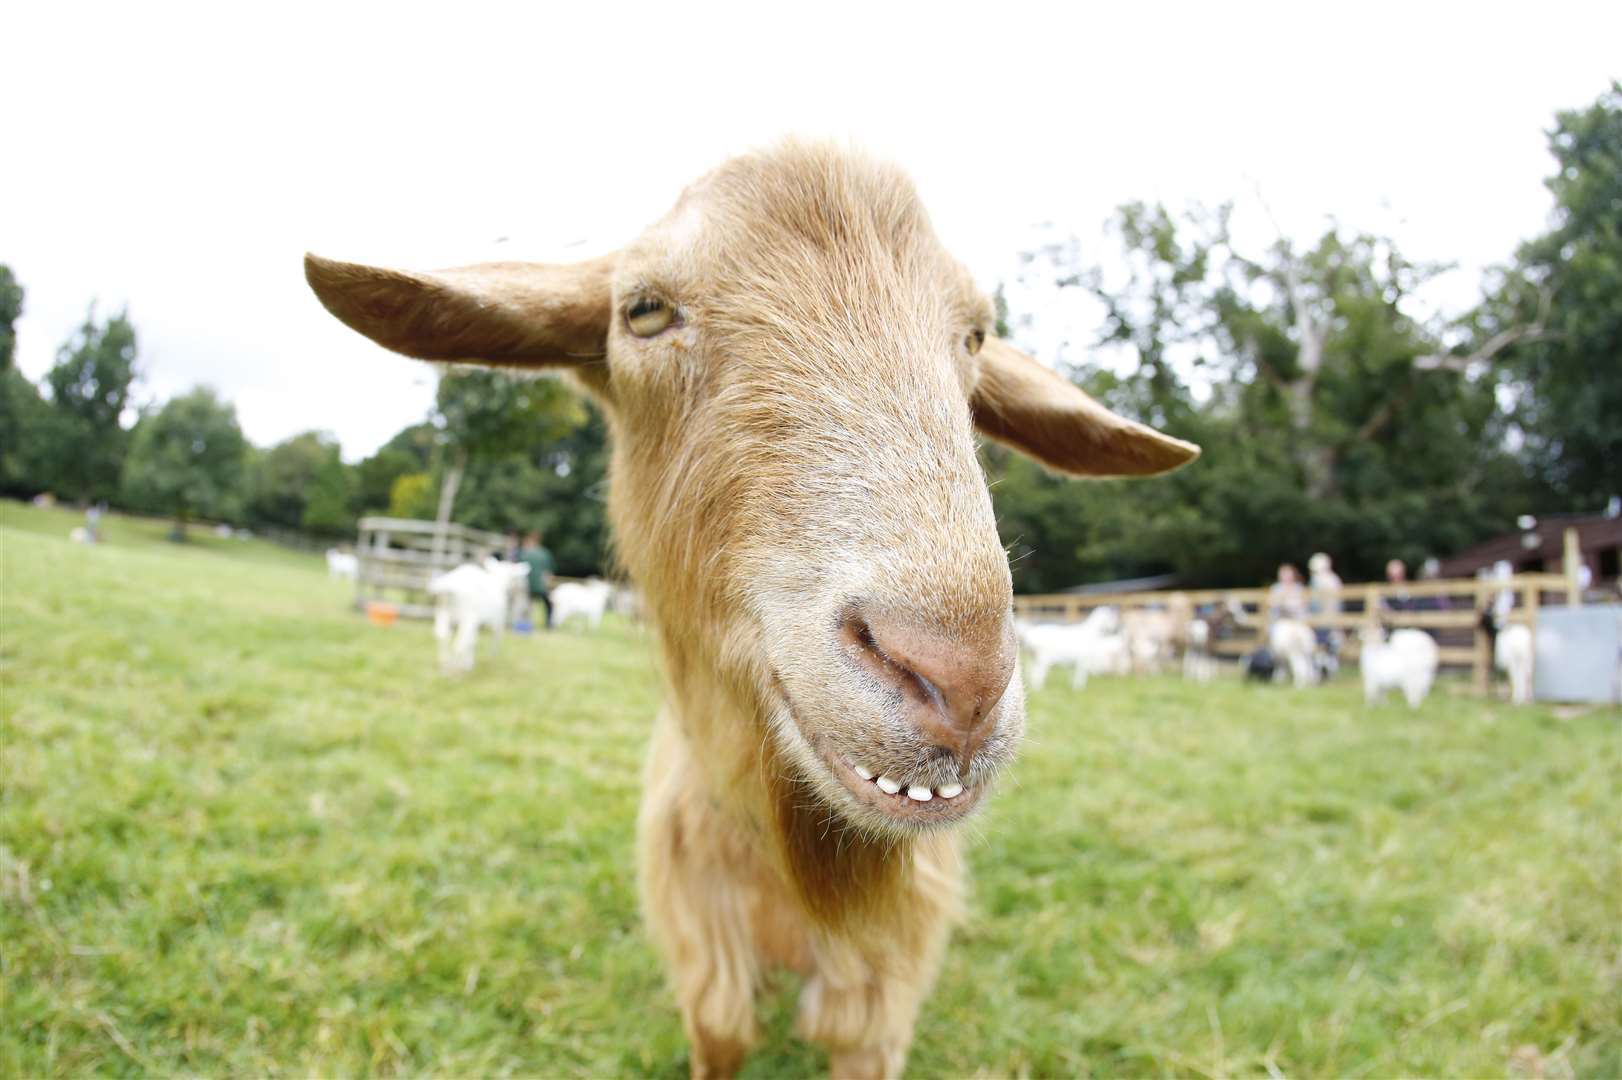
<point>902,800</point>
<point>898,801</point>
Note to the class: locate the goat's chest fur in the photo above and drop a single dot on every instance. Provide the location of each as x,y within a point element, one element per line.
<point>726,901</point>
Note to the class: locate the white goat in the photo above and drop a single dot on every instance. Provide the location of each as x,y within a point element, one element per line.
<point>586,599</point>
<point>1294,644</point>
<point>1512,653</point>
<point>1406,661</point>
<point>1091,647</point>
<point>1198,663</point>
<point>467,598</point>
<point>342,564</point>
<point>626,602</point>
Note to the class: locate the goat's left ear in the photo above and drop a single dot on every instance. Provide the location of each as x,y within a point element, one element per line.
<point>510,314</point>
<point>1019,402</point>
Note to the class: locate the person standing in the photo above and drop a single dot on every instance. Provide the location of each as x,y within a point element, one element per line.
<point>1287,599</point>
<point>541,568</point>
<point>1396,578</point>
<point>1324,586</point>
<point>1431,570</point>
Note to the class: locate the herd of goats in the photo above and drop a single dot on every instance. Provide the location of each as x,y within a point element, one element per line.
<point>1147,641</point>
<point>492,595</point>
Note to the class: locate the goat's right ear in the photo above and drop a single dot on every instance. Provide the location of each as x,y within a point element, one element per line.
<point>510,314</point>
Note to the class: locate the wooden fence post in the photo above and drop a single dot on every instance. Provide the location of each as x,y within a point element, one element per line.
<point>1481,664</point>
<point>1571,565</point>
<point>1533,600</point>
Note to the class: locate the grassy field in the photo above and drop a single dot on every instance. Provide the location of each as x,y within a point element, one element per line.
<point>244,832</point>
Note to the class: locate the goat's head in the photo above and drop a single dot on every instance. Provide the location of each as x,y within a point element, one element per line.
<point>794,369</point>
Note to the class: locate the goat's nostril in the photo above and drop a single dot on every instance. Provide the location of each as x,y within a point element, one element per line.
<point>889,665</point>
<point>864,637</point>
<point>949,684</point>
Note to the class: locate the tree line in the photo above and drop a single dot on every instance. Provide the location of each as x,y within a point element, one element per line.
<point>1332,418</point>
<point>496,452</point>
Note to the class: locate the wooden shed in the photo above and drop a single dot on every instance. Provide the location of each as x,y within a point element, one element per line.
<point>1541,549</point>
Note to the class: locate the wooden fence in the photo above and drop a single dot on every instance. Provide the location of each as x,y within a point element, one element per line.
<point>401,555</point>
<point>1451,610</point>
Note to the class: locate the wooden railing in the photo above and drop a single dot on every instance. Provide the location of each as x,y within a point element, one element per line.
<point>401,555</point>
<point>1450,609</point>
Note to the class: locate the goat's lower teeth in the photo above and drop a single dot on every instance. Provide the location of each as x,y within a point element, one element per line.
<point>863,773</point>
<point>918,794</point>
<point>888,786</point>
<point>948,791</point>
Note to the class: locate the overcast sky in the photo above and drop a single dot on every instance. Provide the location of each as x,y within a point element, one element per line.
<point>178,160</point>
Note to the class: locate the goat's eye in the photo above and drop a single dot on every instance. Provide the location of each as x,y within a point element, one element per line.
<point>973,342</point>
<point>648,315</point>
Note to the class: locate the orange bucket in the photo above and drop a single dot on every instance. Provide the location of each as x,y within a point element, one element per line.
<point>382,614</point>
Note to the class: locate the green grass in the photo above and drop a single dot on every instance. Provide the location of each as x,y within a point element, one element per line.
<point>244,832</point>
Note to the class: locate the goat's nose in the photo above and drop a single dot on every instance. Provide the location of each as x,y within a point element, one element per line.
<point>950,684</point>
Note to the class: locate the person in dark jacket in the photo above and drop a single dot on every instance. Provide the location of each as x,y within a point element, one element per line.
<point>541,568</point>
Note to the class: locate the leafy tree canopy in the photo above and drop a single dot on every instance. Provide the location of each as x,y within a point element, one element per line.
<point>1566,379</point>
<point>90,390</point>
<point>412,496</point>
<point>25,440</point>
<point>187,459</point>
<point>1299,372</point>
<point>11,309</point>
<point>482,415</point>
<point>557,487</point>
<point>409,451</point>
<point>282,478</point>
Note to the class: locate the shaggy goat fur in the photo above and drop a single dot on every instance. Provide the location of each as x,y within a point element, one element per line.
<point>793,448</point>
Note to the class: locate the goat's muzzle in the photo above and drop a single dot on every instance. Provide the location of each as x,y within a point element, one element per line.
<point>949,683</point>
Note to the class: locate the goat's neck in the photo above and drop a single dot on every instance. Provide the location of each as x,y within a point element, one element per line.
<point>842,876</point>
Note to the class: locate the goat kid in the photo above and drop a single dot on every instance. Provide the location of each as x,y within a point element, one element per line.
<point>793,369</point>
<point>342,565</point>
<point>586,600</point>
<point>1198,663</point>
<point>1514,652</point>
<point>1093,646</point>
<point>1294,645</point>
<point>1406,660</point>
<point>467,599</point>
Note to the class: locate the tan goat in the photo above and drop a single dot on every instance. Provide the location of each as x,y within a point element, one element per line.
<point>793,369</point>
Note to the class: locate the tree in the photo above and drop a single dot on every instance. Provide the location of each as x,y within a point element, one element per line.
<point>558,487</point>
<point>328,510</point>
<point>23,413</point>
<point>283,479</point>
<point>509,454</point>
<point>412,496</point>
<point>187,460</point>
<point>11,309</point>
<point>34,440</point>
<point>409,451</point>
<point>483,414</point>
<point>90,389</point>
<point>1565,290</point>
<point>1322,427</point>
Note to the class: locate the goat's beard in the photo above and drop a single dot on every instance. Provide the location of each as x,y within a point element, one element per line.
<point>841,871</point>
